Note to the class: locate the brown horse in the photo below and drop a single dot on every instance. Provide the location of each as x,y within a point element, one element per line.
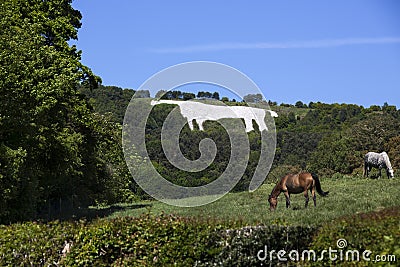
<point>295,184</point>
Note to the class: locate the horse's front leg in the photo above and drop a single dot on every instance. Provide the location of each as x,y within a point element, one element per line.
<point>380,173</point>
<point>287,196</point>
<point>306,196</point>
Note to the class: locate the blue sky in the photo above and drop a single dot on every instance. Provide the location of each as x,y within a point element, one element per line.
<point>329,51</point>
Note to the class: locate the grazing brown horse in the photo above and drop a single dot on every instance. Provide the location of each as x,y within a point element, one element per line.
<point>295,184</point>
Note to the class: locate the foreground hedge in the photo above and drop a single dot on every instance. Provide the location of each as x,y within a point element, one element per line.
<point>167,240</point>
<point>32,244</point>
<point>241,247</point>
<point>378,232</point>
<point>146,241</point>
<point>142,241</point>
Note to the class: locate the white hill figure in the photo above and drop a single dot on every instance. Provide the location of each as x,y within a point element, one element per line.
<point>200,112</point>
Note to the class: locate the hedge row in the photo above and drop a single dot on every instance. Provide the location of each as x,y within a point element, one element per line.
<point>378,232</point>
<point>144,241</point>
<point>253,246</point>
<point>32,244</point>
<point>167,240</point>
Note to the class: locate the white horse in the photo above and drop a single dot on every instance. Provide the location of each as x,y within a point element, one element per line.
<point>377,160</point>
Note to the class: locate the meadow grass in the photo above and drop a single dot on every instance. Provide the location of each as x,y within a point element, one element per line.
<point>348,195</point>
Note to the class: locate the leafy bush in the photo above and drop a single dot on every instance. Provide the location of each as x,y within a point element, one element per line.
<point>168,240</point>
<point>144,241</point>
<point>240,247</point>
<point>34,243</point>
<point>334,154</point>
<point>375,231</point>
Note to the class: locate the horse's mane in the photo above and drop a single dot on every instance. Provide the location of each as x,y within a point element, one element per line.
<point>385,157</point>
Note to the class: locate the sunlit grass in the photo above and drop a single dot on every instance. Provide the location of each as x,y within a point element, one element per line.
<point>348,195</point>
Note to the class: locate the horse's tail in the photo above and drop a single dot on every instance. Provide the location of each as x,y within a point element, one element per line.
<point>318,185</point>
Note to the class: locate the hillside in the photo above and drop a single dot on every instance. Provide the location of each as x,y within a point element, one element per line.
<point>324,138</point>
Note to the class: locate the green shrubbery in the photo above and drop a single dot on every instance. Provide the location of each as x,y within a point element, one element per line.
<point>147,241</point>
<point>378,232</point>
<point>33,244</point>
<point>144,241</point>
<point>167,240</point>
<point>239,247</point>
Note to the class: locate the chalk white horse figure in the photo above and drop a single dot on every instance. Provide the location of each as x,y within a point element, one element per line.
<point>377,160</point>
<point>200,112</point>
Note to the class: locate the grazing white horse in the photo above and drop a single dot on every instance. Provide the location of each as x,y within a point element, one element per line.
<point>377,160</point>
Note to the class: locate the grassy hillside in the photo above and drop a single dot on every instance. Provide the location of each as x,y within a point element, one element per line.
<point>348,195</point>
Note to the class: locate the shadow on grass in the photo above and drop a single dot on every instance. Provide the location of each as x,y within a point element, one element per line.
<point>376,177</point>
<point>87,213</point>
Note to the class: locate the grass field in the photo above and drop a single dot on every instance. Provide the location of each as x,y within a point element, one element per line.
<point>348,195</point>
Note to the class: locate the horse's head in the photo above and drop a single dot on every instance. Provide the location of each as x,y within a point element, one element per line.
<point>390,173</point>
<point>273,201</point>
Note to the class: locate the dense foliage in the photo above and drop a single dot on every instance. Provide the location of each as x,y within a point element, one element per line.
<point>327,139</point>
<point>168,240</point>
<point>323,138</point>
<point>110,101</point>
<point>54,151</point>
<point>375,231</point>
<point>128,241</point>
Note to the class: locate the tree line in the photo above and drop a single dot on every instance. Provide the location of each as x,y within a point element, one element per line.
<point>325,138</point>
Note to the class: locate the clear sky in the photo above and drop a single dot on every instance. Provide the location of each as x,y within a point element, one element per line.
<point>341,51</point>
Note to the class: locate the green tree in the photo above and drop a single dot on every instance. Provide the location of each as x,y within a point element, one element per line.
<point>50,141</point>
<point>160,93</point>
<point>374,132</point>
<point>215,95</point>
<point>142,94</point>
<point>111,101</point>
<point>334,153</point>
<point>393,149</point>
<point>188,96</point>
<point>253,98</point>
<point>300,104</point>
<point>203,94</point>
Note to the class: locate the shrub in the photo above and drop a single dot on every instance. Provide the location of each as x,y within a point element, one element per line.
<point>33,244</point>
<point>375,231</point>
<point>240,247</point>
<point>145,241</point>
<point>168,240</point>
